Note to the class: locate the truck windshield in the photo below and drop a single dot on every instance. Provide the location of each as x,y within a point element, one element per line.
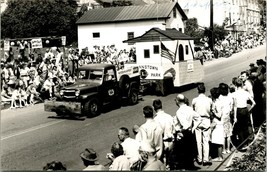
<point>92,75</point>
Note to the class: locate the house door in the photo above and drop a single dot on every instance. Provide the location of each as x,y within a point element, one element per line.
<point>181,52</point>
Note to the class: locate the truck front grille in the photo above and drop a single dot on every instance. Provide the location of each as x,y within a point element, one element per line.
<point>69,94</point>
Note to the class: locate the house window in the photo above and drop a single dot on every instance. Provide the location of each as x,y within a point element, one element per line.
<point>186,49</point>
<point>156,49</point>
<point>96,35</point>
<point>146,53</point>
<point>174,13</point>
<point>130,35</point>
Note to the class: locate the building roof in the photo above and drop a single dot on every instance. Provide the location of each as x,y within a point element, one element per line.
<point>156,34</point>
<point>130,13</point>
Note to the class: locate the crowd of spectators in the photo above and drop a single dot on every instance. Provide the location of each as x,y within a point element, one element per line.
<point>229,46</point>
<point>198,134</point>
<point>29,78</point>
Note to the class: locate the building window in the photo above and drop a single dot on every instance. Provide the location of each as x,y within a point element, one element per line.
<point>96,35</point>
<point>174,13</point>
<point>130,35</point>
<point>156,49</point>
<point>186,49</point>
<point>180,29</point>
<point>146,53</point>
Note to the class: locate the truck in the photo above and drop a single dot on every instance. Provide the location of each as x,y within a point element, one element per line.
<point>96,86</point>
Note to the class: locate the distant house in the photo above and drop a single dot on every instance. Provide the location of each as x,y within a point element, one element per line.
<point>107,26</point>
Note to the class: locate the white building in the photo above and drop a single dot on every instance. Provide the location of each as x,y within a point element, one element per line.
<point>241,15</point>
<point>107,26</point>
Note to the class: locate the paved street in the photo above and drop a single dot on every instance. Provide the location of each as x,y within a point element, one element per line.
<point>31,137</point>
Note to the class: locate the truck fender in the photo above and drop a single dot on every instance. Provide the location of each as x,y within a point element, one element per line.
<point>86,96</point>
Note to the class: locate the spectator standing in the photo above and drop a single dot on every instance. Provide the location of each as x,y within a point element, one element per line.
<point>199,55</point>
<point>248,86</point>
<point>24,73</point>
<point>71,62</point>
<point>166,122</point>
<point>89,158</point>
<point>151,131</point>
<point>247,82</point>
<point>130,145</point>
<point>227,107</point>
<point>258,91</point>
<point>217,132</point>
<point>202,105</point>
<point>241,113</point>
<point>261,69</point>
<point>185,122</point>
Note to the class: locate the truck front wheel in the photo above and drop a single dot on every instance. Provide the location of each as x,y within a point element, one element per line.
<point>91,108</point>
<point>133,96</point>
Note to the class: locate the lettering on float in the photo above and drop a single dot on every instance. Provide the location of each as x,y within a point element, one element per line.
<point>148,67</point>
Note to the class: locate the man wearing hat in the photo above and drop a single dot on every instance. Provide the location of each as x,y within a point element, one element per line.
<point>89,158</point>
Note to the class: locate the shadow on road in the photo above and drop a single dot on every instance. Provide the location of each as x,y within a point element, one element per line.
<point>69,117</point>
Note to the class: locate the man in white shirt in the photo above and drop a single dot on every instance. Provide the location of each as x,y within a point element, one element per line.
<point>130,145</point>
<point>185,122</point>
<point>247,83</point>
<point>151,131</point>
<point>202,105</point>
<point>166,122</point>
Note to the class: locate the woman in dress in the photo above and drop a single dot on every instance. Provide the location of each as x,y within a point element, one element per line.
<point>227,106</point>
<point>217,137</point>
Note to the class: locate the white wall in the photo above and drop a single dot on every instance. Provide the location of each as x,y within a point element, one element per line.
<point>113,33</point>
<point>175,22</point>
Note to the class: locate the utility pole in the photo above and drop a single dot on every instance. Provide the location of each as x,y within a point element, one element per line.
<point>211,26</point>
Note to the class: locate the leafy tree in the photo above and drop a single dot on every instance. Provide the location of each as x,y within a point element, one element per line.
<point>82,10</point>
<point>192,29</point>
<point>114,3</point>
<point>39,18</point>
<point>218,31</point>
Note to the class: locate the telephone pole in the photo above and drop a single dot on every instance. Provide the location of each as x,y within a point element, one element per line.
<point>211,26</point>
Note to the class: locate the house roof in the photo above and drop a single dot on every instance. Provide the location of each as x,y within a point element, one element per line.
<point>156,34</point>
<point>130,13</point>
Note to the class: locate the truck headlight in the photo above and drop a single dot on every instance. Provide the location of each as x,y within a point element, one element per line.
<point>77,93</point>
<point>61,92</point>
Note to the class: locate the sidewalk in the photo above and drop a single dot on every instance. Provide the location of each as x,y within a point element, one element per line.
<point>221,166</point>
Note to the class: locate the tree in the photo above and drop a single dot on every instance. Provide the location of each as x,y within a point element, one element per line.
<point>82,10</point>
<point>114,3</point>
<point>39,18</point>
<point>219,32</point>
<point>192,29</point>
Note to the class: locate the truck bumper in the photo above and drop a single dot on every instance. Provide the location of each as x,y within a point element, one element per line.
<point>63,107</point>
